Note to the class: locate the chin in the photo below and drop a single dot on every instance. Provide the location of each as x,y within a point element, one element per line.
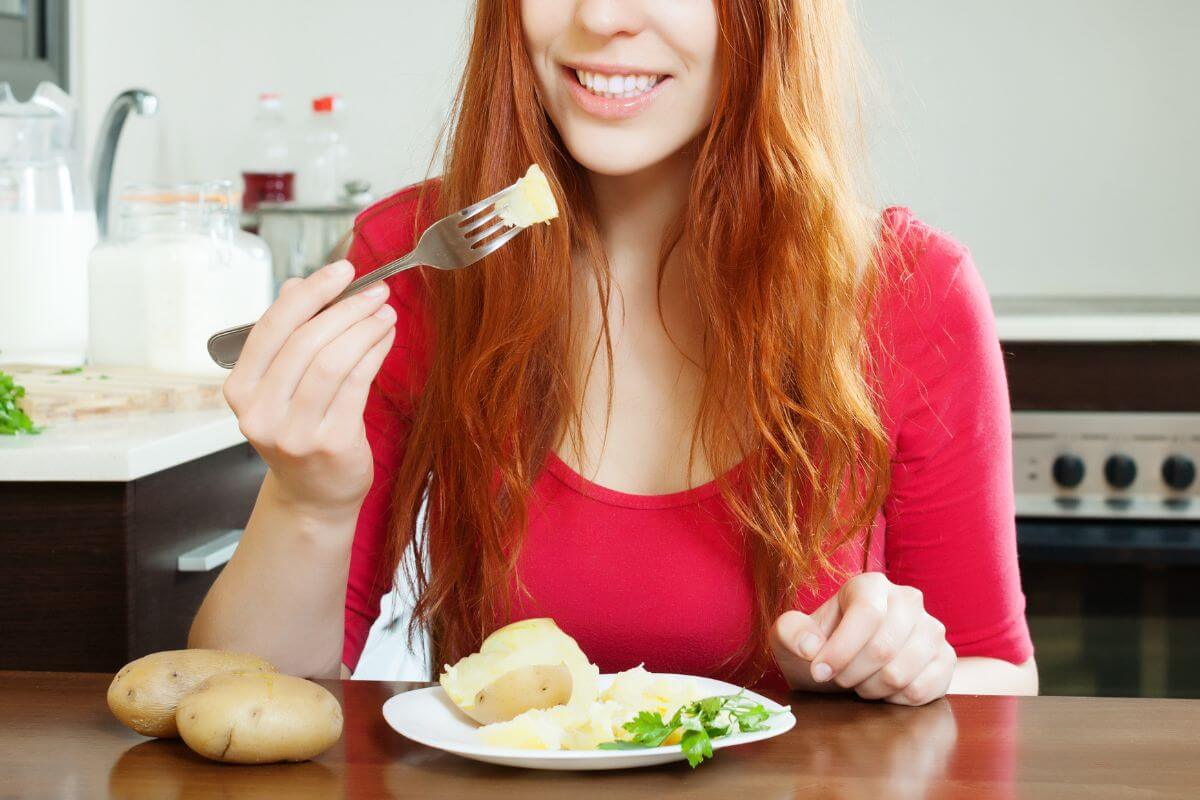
<point>604,153</point>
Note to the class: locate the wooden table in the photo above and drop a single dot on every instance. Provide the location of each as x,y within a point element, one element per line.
<point>57,739</point>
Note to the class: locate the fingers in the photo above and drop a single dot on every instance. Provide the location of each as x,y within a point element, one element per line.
<point>300,350</point>
<point>294,306</point>
<point>925,644</point>
<point>346,410</point>
<point>863,601</point>
<point>331,366</point>
<point>931,683</point>
<point>795,638</point>
<point>904,610</point>
<point>883,644</point>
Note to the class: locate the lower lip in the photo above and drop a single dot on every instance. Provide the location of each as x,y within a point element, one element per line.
<point>610,107</point>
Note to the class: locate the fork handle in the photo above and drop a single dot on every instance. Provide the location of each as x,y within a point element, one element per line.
<point>225,346</point>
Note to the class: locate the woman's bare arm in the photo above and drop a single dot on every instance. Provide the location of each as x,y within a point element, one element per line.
<point>992,676</point>
<point>282,595</point>
<point>298,391</point>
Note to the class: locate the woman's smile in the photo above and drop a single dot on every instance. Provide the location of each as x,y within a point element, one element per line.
<point>613,92</point>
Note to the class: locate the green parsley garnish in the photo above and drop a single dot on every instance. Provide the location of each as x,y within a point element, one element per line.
<point>69,371</point>
<point>12,419</point>
<point>702,721</point>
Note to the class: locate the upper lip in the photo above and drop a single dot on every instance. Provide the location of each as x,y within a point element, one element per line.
<point>611,69</point>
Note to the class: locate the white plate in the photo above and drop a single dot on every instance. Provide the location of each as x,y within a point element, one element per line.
<point>429,717</point>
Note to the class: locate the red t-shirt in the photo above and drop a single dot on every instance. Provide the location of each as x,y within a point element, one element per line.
<point>611,567</point>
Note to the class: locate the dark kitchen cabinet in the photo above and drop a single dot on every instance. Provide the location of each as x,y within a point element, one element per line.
<point>90,578</point>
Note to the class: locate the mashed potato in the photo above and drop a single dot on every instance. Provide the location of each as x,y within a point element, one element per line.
<point>568,728</point>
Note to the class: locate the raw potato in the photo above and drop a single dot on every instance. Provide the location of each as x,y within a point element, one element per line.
<point>519,690</point>
<point>145,693</point>
<point>259,718</point>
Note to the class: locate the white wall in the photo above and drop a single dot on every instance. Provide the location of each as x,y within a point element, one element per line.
<point>394,61</point>
<point>1057,138</point>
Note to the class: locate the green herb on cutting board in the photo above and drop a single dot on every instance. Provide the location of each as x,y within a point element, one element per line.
<point>702,721</point>
<point>68,371</point>
<point>12,419</point>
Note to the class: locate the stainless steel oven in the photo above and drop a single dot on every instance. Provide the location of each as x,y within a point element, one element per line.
<point>1106,444</point>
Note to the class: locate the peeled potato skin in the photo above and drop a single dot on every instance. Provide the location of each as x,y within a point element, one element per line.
<point>259,718</point>
<point>145,692</point>
<point>519,690</point>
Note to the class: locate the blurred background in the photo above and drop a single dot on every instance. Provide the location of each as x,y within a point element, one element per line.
<point>200,153</point>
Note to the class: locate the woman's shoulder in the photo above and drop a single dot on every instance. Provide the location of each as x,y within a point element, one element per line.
<point>384,231</point>
<point>933,317</point>
<point>390,227</point>
<point>927,278</point>
<point>919,258</point>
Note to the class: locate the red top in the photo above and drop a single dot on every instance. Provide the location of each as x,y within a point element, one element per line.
<point>602,563</point>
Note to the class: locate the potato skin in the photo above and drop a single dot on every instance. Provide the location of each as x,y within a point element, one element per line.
<point>145,692</point>
<point>259,718</point>
<point>519,690</point>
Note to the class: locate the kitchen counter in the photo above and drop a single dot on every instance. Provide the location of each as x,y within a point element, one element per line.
<point>1056,319</point>
<point>119,449</point>
<point>114,530</point>
<point>58,739</point>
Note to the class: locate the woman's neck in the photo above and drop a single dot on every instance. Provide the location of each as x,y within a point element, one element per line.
<point>634,211</point>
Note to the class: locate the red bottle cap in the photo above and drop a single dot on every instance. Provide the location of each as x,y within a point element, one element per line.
<point>327,103</point>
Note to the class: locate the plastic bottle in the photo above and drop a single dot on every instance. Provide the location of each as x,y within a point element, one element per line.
<point>269,173</point>
<point>326,167</point>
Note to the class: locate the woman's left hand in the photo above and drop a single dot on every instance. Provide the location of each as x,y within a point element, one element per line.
<point>873,638</point>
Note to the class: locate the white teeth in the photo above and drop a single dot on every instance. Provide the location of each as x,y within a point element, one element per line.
<point>611,86</point>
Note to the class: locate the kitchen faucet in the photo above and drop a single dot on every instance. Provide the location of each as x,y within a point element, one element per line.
<point>146,105</point>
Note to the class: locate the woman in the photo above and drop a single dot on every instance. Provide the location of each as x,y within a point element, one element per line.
<point>791,414</point>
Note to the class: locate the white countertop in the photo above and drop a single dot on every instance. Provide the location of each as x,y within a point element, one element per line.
<point>1097,320</point>
<point>1099,328</point>
<point>118,449</point>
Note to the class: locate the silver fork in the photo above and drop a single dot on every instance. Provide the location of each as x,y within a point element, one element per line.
<point>453,242</point>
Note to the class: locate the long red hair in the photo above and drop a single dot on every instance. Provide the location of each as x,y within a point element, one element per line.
<point>782,259</point>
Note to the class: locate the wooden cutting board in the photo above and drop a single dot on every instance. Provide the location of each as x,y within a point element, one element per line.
<point>53,394</point>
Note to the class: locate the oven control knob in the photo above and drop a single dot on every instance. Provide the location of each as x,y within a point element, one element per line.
<point>1068,471</point>
<point>1179,472</point>
<point>1120,471</point>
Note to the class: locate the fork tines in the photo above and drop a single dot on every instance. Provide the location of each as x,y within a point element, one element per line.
<point>477,226</point>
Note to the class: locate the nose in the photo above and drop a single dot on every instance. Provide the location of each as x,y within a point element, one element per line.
<point>610,18</point>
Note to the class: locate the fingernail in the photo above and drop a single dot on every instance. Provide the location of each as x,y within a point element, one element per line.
<point>809,645</point>
<point>386,312</point>
<point>341,269</point>
<point>378,290</point>
<point>822,673</point>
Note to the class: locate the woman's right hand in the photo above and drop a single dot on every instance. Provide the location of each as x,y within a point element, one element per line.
<point>301,383</point>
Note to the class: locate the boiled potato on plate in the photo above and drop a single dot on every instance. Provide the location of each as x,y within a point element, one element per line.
<point>527,665</point>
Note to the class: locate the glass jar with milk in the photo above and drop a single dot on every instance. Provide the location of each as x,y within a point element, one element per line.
<point>47,227</point>
<point>175,269</point>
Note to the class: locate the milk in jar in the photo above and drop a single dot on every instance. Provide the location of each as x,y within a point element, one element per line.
<point>175,270</point>
<point>47,228</point>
